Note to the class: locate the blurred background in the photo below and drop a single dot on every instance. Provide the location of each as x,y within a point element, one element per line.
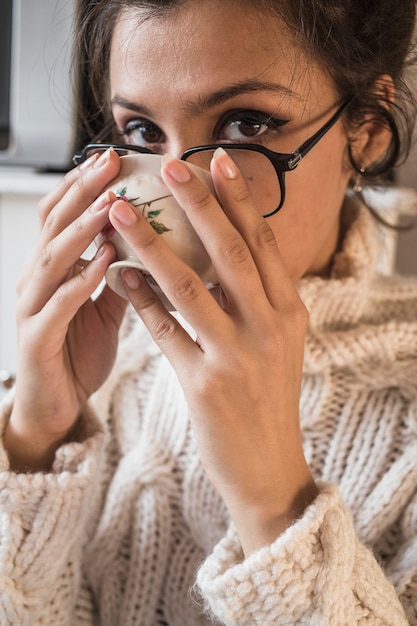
<point>40,84</point>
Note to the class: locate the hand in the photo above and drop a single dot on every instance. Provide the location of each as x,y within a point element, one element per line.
<point>242,377</point>
<point>67,341</point>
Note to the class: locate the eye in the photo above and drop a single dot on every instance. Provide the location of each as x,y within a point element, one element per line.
<point>143,133</point>
<point>250,126</point>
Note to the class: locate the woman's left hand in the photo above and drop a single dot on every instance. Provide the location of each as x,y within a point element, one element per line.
<point>242,376</point>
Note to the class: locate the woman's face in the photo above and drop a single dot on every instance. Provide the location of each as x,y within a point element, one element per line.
<point>215,72</point>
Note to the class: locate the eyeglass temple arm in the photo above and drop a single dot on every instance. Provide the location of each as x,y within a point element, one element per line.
<point>305,148</point>
<point>97,139</point>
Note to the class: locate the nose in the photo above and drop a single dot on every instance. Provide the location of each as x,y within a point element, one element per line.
<point>185,137</point>
<point>177,150</point>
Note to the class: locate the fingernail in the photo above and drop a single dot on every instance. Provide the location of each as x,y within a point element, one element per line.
<point>99,253</point>
<point>124,213</point>
<point>88,162</point>
<point>131,278</point>
<point>102,202</point>
<point>177,170</point>
<point>225,163</point>
<point>104,158</point>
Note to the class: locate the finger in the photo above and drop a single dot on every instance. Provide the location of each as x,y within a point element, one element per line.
<point>66,202</point>
<point>177,280</point>
<point>259,238</point>
<point>89,183</point>
<point>53,319</point>
<point>227,247</point>
<point>47,203</point>
<point>55,263</point>
<point>167,332</point>
<point>110,305</point>
<point>45,206</point>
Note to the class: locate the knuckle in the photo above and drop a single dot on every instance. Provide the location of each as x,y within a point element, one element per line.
<point>48,203</point>
<point>49,222</point>
<point>235,250</point>
<point>148,240</point>
<point>242,195</point>
<point>263,237</point>
<point>60,299</point>
<point>64,297</point>
<point>77,227</point>
<point>145,299</point>
<point>145,302</point>
<point>79,184</point>
<point>84,276</point>
<point>202,200</point>
<point>45,259</point>
<point>186,288</point>
<point>82,190</point>
<point>165,329</point>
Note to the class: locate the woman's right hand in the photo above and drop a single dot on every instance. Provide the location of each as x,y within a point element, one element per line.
<point>67,341</point>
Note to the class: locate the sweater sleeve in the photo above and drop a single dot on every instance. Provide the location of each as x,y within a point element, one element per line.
<point>316,573</point>
<point>43,519</point>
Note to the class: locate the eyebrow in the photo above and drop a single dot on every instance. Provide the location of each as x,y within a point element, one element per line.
<point>204,103</point>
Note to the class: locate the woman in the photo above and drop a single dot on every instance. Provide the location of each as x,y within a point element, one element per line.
<point>272,458</point>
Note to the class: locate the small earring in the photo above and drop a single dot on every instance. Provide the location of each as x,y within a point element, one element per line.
<point>357,183</point>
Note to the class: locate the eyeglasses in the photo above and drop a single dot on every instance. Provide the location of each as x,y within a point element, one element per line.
<point>263,169</point>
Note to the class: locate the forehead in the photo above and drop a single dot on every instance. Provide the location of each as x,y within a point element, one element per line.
<point>197,49</point>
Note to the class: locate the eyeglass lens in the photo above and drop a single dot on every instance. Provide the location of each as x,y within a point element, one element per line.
<point>255,167</point>
<point>258,172</point>
<point>97,149</point>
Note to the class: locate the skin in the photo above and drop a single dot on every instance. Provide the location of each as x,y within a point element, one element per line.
<point>249,442</point>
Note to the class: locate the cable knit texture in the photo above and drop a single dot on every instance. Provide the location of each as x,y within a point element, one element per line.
<point>127,530</point>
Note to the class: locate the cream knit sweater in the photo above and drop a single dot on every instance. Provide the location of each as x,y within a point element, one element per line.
<point>120,530</point>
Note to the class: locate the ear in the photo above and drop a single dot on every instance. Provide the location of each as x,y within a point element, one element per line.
<point>370,140</point>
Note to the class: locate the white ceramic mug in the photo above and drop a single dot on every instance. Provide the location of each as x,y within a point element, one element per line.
<point>140,183</point>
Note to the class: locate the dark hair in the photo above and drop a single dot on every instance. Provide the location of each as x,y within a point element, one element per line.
<point>357,41</point>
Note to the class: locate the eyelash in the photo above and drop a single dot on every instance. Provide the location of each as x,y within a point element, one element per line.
<point>135,125</point>
<point>273,125</point>
<point>237,118</point>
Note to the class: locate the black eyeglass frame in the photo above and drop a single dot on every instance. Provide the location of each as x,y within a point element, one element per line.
<point>281,162</point>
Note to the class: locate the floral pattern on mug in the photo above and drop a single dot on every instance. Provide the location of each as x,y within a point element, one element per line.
<point>148,214</point>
